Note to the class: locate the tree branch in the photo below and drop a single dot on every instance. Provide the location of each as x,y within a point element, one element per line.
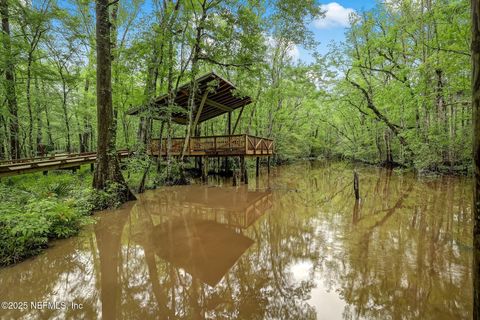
<point>225,64</point>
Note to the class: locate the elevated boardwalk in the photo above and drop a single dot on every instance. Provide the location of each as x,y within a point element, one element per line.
<point>54,162</point>
<point>215,146</point>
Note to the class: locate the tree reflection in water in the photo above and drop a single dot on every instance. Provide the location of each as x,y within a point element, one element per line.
<point>297,248</point>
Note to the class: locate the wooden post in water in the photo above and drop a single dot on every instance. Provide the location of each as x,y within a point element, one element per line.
<point>257,171</point>
<point>243,170</point>
<point>268,165</point>
<point>356,186</point>
<point>235,178</point>
<point>205,170</point>
<point>229,130</point>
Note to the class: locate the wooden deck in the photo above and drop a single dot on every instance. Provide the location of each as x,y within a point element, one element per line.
<point>212,146</point>
<point>54,162</point>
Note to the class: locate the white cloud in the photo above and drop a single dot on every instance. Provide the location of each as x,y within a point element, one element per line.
<point>335,16</point>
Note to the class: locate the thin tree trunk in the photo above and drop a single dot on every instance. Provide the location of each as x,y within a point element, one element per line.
<point>65,115</point>
<point>2,138</point>
<point>193,83</point>
<point>49,129</point>
<point>107,171</point>
<point>38,111</point>
<point>10,82</point>
<point>29,105</point>
<point>476,154</point>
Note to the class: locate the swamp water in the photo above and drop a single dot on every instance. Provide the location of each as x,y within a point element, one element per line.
<point>293,245</point>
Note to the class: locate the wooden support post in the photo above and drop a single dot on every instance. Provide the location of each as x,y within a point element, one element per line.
<point>257,172</point>
<point>229,128</point>
<point>199,112</point>
<point>227,166</point>
<point>229,123</point>
<point>237,175</point>
<point>268,165</point>
<point>244,172</point>
<point>235,178</point>
<point>205,170</point>
<point>238,120</point>
<point>356,186</point>
<point>92,167</point>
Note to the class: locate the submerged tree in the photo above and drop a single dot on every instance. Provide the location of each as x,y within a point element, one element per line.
<point>107,171</point>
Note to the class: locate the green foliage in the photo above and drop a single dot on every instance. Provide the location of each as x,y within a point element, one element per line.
<point>36,209</point>
<point>108,198</point>
<point>402,93</point>
<point>21,234</point>
<point>136,167</point>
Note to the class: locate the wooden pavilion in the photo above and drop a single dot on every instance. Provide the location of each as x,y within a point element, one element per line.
<point>215,97</point>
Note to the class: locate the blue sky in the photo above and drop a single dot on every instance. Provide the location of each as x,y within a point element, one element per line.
<point>332,27</point>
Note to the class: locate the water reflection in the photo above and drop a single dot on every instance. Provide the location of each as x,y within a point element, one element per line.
<point>304,249</point>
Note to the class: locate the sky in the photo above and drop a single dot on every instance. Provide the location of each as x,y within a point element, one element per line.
<point>332,27</point>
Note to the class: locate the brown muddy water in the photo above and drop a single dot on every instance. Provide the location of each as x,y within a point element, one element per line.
<point>289,246</point>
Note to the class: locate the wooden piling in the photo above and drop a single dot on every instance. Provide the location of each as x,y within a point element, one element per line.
<point>243,170</point>
<point>205,170</point>
<point>257,171</point>
<point>235,178</point>
<point>356,187</point>
<point>268,165</point>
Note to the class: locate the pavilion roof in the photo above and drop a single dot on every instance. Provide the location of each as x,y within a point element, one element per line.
<point>220,98</point>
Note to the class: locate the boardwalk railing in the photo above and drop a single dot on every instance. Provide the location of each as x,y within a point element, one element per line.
<point>233,145</point>
<point>61,161</point>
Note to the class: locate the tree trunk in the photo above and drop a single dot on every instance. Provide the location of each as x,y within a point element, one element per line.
<point>476,154</point>
<point>65,116</point>
<point>29,106</point>
<point>10,82</point>
<point>107,170</point>
<point>38,111</point>
<point>49,129</point>
<point>2,139</point>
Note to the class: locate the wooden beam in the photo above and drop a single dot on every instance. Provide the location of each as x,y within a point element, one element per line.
<point>229,123</point>
<point>238,119</point>
<point>218,105</point>
<point>179,120</point>
<point>199,111</point>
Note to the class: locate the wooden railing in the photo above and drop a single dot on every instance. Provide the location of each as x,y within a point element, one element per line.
<point>240,144</point>
<point>257,145</point>
<point>57,156</point>
<point>62,161</point>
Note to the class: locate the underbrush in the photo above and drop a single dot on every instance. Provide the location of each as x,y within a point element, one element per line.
<point>35,209</point>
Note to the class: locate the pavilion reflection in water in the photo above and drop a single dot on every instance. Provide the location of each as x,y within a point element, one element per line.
<point>201,231</point>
